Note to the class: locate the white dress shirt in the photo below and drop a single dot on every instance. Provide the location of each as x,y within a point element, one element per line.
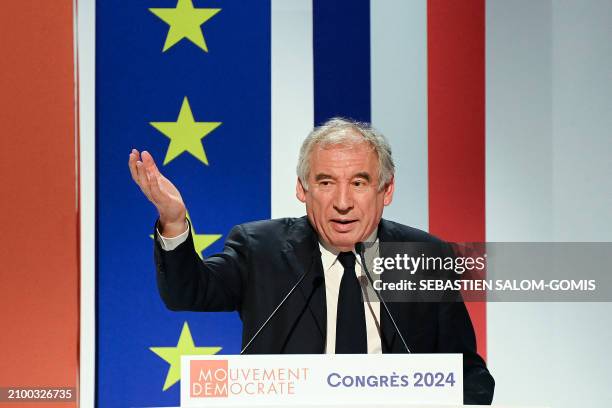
<point>333,271</point>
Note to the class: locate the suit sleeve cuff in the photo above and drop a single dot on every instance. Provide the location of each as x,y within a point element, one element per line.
<point>168,244</point>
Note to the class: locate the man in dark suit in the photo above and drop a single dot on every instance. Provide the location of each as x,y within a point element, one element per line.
<point>345,178</point>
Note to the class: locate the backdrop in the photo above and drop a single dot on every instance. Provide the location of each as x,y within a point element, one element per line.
<point>497,111</point>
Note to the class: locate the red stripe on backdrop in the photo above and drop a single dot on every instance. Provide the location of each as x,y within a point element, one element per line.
<point>39,241</point>
<point>456,103</point>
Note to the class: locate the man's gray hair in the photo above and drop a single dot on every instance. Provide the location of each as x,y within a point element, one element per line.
<point>339,131</point>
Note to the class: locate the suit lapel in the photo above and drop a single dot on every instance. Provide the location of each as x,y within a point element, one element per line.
<point>302,254</point>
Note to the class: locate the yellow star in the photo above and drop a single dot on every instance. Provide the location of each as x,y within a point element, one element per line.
<point>172,355</point>
<point>200,241</point>
<point>185,21</point>
<point>185,134</point>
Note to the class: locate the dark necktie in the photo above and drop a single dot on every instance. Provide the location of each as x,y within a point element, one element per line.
<point>351,334</point>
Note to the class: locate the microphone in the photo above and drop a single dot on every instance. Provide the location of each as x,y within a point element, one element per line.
<point>360,249</point>
<point>265,323</point>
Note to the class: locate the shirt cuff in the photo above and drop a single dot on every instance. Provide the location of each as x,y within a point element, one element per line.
<point>168,244</point>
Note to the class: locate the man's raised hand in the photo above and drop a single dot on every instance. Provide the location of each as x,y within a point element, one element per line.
<point>160,191</point>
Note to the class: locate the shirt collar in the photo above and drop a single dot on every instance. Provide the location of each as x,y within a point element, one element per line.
<point>329,254</point>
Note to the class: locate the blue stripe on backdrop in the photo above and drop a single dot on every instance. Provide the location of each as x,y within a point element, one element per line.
<point>138,84</point>
<point>341,43</point>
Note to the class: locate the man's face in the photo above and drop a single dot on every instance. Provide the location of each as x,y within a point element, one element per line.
<point>343,202</point>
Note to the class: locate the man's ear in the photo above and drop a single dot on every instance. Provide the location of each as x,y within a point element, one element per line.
<point>300,191</point>
<point>389,189</point>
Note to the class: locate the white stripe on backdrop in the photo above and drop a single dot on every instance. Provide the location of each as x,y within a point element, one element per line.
<point>548,99</point>
<point>292,98</point>
<point>86,64</point>
<point>398,52</point>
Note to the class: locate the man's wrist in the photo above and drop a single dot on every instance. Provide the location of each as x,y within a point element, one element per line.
<point>172,229</point>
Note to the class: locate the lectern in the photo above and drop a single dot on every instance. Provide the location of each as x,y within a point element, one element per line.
<point>322,380</point>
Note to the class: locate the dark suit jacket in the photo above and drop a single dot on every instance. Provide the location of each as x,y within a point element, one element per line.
<point>260,263</point>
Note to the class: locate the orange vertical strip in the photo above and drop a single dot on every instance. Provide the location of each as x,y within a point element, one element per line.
<point>39,243</point>
<point>456,103</point>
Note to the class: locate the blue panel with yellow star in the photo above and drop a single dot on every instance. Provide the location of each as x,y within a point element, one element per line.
<point>189,81</point>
